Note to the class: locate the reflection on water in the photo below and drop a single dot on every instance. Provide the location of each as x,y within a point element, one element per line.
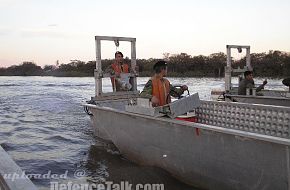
<point>44,128</point>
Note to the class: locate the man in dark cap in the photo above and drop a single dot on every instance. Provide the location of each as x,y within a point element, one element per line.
<point>158,89</point>
<point>248,82</point>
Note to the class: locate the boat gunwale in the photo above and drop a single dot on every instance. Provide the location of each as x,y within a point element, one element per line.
<point>259,97</point>
<point>8,170</point>
<point>243,134</point>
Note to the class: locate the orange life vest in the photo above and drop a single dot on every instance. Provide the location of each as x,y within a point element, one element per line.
<point>124,68</point>
<point>160,89</point>
<point>120,68</point>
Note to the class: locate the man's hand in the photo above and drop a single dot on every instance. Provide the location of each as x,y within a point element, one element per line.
<point>184,88</point>
<point>154,101</point>
<point>265,82</point>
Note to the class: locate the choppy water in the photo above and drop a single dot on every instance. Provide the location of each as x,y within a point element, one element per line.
<point>44,128</point>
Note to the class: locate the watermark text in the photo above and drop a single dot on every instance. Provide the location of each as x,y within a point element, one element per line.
<point>108,185</point>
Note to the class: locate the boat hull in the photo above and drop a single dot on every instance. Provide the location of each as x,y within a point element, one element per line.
<point>201,155</point>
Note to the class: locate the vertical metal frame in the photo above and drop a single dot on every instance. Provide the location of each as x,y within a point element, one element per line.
<point>229,69</point>
<point>98,74</point>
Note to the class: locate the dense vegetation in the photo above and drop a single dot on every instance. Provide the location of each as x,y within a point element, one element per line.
<point>271,64</point>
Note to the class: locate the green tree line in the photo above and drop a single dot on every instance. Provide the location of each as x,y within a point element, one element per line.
<point>271,64</point>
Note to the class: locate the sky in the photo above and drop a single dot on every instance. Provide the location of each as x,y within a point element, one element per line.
<point>44,31</point>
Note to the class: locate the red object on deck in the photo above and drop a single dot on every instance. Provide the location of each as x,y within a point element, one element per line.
<point>190,119</point>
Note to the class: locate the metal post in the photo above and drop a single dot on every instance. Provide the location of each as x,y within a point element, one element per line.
<point>98,71</point>
<point>228,70</point>
<point>229,59</point>
<point>133,64</point>
<point>248,59</point>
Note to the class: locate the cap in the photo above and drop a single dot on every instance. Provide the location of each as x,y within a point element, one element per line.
<point>160,64</point>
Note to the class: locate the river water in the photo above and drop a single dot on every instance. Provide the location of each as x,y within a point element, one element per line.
<point>45,130</point>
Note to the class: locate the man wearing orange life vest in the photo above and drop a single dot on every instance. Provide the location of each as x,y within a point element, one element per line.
<point>116,69</point>
<point>158,89</point>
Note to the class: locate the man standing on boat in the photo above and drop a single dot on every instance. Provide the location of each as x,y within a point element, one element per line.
<point>158,89</point>
<point>116,69</point>
<point>248,82</point>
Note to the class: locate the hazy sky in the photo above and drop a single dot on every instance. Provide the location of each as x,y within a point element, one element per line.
<point>44,31</point>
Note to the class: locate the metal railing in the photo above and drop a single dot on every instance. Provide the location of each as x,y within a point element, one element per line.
<point>261,119</point>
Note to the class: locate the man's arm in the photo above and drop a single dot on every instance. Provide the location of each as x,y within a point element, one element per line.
<point>175,92</point>
<point>261,86</point>
<point>147,91</point>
